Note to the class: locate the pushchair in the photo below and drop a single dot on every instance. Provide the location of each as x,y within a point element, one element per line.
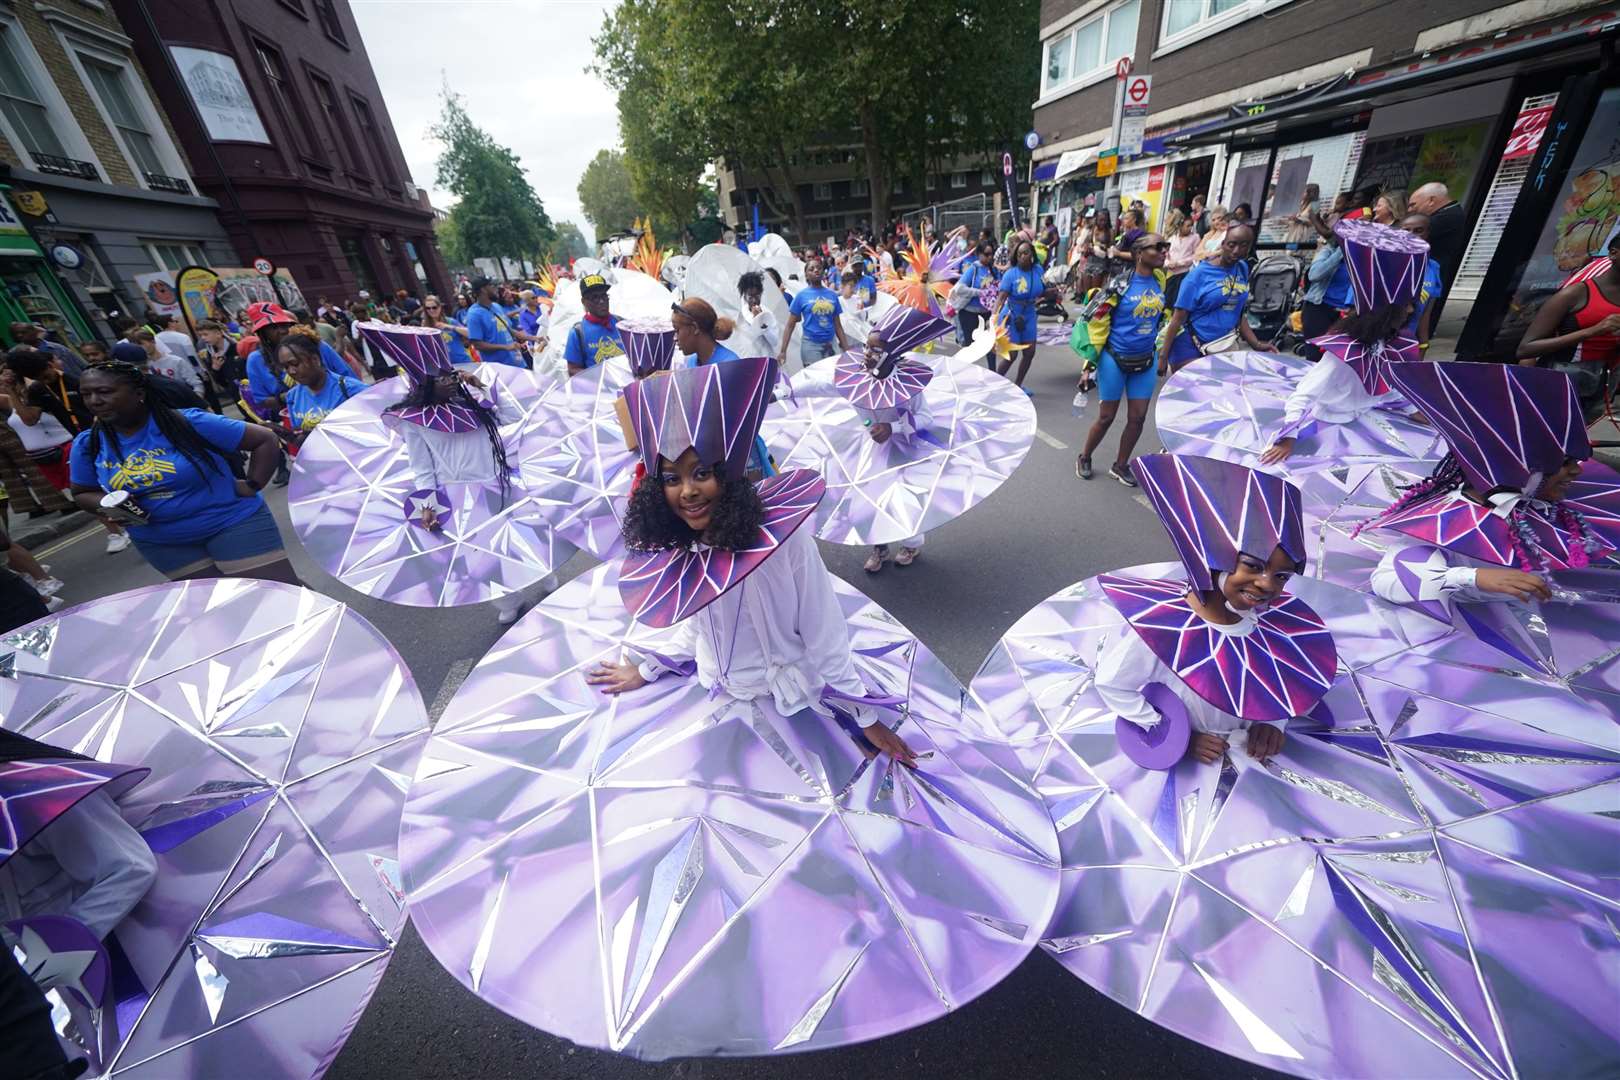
<point>1272,287</point>
<point>1051,302</point>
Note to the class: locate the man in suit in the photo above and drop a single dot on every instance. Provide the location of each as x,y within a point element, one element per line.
<point>1448,235</point>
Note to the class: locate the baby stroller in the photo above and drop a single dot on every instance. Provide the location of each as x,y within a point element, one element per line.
<point>1051,302</point>
<point>1271,299</point>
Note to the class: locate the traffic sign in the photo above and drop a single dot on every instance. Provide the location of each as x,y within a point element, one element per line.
<point>1107,162</point>
<point>1032,140</point>
<point>1137,88</point>
<point>1124,67</point>
<point>264,266</point>
<point>1133,112</point>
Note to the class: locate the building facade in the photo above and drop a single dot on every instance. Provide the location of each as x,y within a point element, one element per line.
<point>277,106</point>
<point>1253,100</point>
<point>99,190</point>
<point>835,193</point>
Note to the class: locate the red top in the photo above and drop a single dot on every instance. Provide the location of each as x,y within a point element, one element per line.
<point>1603,348</point>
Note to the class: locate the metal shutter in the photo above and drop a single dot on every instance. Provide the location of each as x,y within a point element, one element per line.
<point>1493,216</point>
<point>1328,166</point>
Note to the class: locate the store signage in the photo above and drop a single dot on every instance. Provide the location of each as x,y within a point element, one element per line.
<point>31,203</point>
<point>1527,132</point>
<point>215,84</point>
<point>264,266</point>
<point>1108,162</point>
<point>1009,188</point>
<point>66,256</point>
<point>13,233</point>
<point>1156,178</point>
<point>1133,114</point>
<point>1032,140</point>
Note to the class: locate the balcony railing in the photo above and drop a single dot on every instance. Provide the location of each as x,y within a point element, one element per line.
<point>159,182</point>
<point>61,166</point>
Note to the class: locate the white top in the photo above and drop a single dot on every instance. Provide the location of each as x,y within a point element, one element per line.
<point>763,330</point>
<point>1128,665</point>
<point>456,457</point>
<point>47,433</point>
<point>89,864</point>
<point>780,633</point>
<point>173,341</point>
<point>1438,576</point>
<point>1331,392</point>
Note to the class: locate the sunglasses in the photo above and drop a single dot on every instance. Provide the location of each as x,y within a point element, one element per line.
<point>1161,246</point>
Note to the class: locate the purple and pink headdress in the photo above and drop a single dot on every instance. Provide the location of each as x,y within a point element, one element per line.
<point>1215,509</point>
<point>1508,429</point>
<point>421,353</point>
<point>649,345</point>
<point>902,329</point>
<point>1385,266</point>
<point>715,410</point>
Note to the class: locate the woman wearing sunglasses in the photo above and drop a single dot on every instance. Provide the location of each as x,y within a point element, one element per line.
<point>451,329</point>
<point>1124,322</point>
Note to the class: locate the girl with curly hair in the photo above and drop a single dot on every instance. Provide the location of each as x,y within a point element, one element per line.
<point>727,560</point>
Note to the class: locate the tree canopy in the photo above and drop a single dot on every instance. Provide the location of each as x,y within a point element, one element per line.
<point>605,196</point>
<point>754,82</point>
<point>497,213</point>
<point>571,243</point>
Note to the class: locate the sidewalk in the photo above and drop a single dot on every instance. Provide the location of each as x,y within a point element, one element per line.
<point>32,533</point>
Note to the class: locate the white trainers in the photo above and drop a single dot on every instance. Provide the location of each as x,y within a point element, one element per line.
<point>907,556</point>
<point>117,542</point>
<point>49,586</point>
<point>54,603</point>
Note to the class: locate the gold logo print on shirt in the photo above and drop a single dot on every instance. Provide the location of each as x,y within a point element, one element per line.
<point>142,469</point>
<point>821,306</point>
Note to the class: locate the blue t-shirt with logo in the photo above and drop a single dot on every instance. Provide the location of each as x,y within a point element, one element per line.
<point>1214,298</point>
<point>1338,293</point>
<point>1023,287</point>
<point>1426,294</point>
<point>976,276</point>
<point>307,408</point>
<point>264,383</point>
<point>868,285</point>
<point>591,343</point>
<point>453,343</point>
<point>1136,317</point>
<point>487,325</point>
<point>818,309</point>
<point>187,505</point>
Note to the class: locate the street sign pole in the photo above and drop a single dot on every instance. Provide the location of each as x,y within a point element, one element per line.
<point>1122,71</point>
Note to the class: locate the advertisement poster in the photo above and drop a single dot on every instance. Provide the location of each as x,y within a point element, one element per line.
<point>238,287</point>
<point>1451,156</point>
<point>1586,215</point>
<point>1249,187</point>
<point>215,84</point>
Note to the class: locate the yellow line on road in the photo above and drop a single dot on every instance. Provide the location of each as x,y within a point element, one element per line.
<point>91,530</point>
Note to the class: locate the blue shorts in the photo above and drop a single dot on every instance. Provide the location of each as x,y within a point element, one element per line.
<point>1113,384</point>
<point>1183,348</point>
<point>1026,336</point>
<point>252,542</point>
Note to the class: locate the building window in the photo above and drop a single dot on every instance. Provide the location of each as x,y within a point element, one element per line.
<point>821,192</point>
<point>1085,53</point>
<point>28,114</point>
<point>860,189</point>
<point>958,179</point>
<point>987,178</point>
<point>374,140</point>
<point>1189,20</point>
<point>326,11</point>
<point>287,106</point>
<point>170,255</point>
<point>897,188</point>
<point>335,134</point>
<point>110,84</point>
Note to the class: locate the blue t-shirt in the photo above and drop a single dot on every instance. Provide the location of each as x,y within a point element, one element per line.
<point>976,276</point>
<point>306,408</point>
<point>1338,293</point>
<point>186,505</point>
<point>487,325</point>
<point>263,382</point>
<point>1214,298</point>
<point>1136,317</point>
<point>592,343</point>
<point>529,321</point>
<point>868,285</point>
<point>818,309</point>
<point>1426,294</point>
<point>454,344</point>
<point>720,355</point>
<point>1023,287</point>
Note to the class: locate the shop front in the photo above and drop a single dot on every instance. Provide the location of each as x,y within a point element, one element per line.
<point>29,290</point>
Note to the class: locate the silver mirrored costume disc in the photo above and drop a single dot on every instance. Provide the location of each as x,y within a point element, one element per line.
<point>671,872</point>
<point>282,732</point>
<point>597,466</point>
<point>1422,883</point>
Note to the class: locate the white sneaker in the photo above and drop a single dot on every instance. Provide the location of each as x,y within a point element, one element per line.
<point>117,542</point>
<point>49,587</point>
<point>54,603</point>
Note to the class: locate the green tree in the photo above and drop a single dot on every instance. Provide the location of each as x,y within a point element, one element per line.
<point>451,245</point>
<point>571,243</point>
<point>497,215</point>
<point>605,196</point>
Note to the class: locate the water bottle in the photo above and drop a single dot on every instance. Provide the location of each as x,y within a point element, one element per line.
<point>1081,399</point>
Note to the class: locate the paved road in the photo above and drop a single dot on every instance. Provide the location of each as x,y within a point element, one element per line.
<point>1044,530</point>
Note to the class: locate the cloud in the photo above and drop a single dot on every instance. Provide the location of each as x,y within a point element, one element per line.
<point>519,65</point>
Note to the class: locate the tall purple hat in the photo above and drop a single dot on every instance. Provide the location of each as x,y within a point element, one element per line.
<point>1385,263</point>
<point>1215,509</point>
<point>905,329</point>
<point>649,344</point>
<point>716,410</point>
<point>1506,425</point>
<point>421,352</point>
<point>902,329</point>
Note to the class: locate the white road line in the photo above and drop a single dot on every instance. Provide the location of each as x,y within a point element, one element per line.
<point>1049,441</point>
<point>452,682</point>
<point>1143,499</point>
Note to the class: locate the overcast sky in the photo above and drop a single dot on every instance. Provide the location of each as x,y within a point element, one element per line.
<point>520,67</point>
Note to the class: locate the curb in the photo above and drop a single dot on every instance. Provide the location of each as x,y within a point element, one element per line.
<point>42,531</point>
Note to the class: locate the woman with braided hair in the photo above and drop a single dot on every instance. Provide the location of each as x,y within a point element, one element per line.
<point>1508,507</point>
<point>189,517</point>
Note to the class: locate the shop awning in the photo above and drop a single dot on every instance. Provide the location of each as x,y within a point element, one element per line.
<point>1398,85</point>
<point>1075,160</point>
<point>1046,170</point>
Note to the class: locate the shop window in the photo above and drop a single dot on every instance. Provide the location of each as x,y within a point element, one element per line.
<point>1086,53</point>
<point>37,120</point>
<point>170,255</point>
<point>1186,21</point>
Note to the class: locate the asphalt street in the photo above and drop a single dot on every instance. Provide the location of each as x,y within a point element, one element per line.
<point>1042,531</point>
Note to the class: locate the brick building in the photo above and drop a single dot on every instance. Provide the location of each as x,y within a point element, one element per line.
<point>277,106</point>
<point>99,189</point>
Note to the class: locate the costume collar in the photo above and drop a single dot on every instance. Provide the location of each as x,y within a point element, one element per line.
<point>1458,524</point>
<point>1370,362</point>
<point>451,417</point>
<point>866,391</point>
<point>1278,669</point>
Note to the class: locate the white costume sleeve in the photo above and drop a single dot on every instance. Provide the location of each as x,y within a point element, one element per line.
<point>768,330</point>
<point>675,655</point>
<point>1430,571</point>
<point>110,865</point>
<point>1126,667</point>
<point>823,628</point>
<point>423,468</point>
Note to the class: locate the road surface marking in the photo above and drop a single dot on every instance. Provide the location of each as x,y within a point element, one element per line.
<point>1049,441</point>
<point>452,682</point>
<point>84,533</point>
